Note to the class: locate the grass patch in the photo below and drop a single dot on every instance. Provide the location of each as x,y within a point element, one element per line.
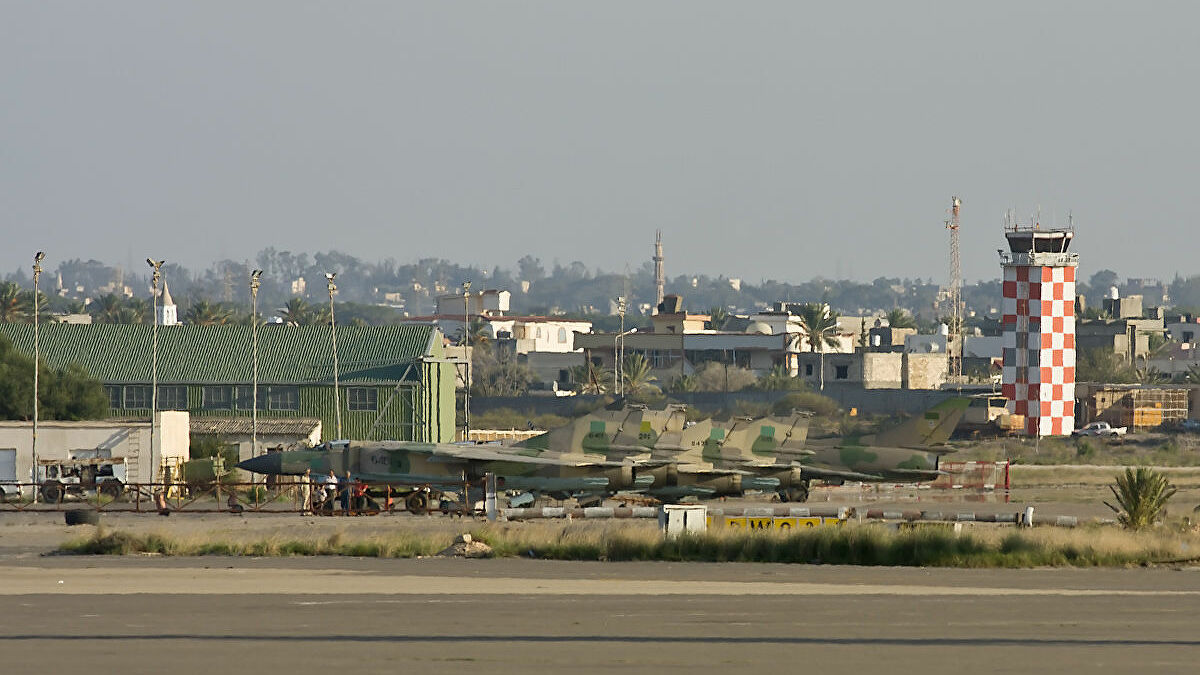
<point>853,544</point>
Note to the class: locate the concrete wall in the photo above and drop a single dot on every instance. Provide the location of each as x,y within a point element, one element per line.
<point>882,370</point>
<point>924,371</point>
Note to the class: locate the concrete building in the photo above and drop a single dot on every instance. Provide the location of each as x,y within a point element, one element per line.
<point>1038,375</point>
<point>875,370</point>
<point>125,442</point>
<point>1127,337</point>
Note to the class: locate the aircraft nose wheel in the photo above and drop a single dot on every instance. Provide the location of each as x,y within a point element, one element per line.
<point>797,493</point>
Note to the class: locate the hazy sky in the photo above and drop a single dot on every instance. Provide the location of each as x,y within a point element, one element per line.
<point>768,140</point>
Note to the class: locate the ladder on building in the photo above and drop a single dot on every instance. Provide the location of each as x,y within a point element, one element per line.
<point>133,460</point>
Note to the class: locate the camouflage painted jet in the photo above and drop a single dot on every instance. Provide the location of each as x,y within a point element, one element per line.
<point>907,453</point>
<point>652,441</point>
<point>445,466</point>
<point>773,452</point>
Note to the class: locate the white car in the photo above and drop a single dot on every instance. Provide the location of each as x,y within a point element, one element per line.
<point>1100,429</point>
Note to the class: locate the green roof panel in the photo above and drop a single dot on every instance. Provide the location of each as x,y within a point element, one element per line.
<point>222,354</point>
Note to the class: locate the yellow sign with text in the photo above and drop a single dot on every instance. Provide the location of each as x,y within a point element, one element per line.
<point>773,522</point>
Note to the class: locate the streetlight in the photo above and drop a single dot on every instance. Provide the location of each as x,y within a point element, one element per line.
<point>618,367</point>
<point>37,359</point>
<point>617,357</point>
<point>337,397</point>
<point>157,266</point>
<point>467,352</point>
<point>254,281</point>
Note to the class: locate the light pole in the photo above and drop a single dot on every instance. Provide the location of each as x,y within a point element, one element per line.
<point>337,396</point>
<point>619,368</point>
<point>616,355</point>
<point>254,281</point>
<point>467,354</point>
<point>37,360</point>
<point>157,266</point>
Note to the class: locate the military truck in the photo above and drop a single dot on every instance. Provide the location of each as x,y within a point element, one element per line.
<point>80,478</point>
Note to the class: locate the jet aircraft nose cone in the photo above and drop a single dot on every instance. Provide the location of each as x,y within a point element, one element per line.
<point>270,463</point>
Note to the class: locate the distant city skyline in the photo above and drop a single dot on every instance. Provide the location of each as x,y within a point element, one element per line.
<point>768,140</point>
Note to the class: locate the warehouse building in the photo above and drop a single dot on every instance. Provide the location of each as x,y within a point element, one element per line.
<point>395,382</point>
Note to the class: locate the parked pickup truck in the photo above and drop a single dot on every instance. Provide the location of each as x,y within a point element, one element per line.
<point>1100,429</point>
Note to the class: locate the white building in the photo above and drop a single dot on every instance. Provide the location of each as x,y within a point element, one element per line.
<point>126,442</point>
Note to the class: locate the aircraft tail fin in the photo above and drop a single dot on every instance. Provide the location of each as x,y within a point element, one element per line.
<point>933,427</point>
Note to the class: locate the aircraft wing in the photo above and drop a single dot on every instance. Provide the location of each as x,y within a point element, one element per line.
<point>452,454</point>
<point>829,473</point>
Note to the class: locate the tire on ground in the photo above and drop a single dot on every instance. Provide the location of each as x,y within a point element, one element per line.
<point>52,492</point>
<point>417,502</point>
<point>112,488</point>
<point>82,517</point>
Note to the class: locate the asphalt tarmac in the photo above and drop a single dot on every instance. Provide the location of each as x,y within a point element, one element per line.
<point>323,615</point>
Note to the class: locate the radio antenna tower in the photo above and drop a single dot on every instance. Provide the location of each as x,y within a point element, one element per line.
<point>660,279</point>
<point>954,338</point>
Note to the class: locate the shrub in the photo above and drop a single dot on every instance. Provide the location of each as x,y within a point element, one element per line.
<point>1141,496</point>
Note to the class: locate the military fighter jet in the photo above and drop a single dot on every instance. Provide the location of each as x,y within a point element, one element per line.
<point>652,441</point>
<point>445,466</point>
<point>713,458</point>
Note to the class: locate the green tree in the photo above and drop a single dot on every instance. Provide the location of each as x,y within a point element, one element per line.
<point>497,373</point>
<point>1141,495</point>
<point>819,325</point>
<point>297,312</point>
<point>66,394</point>
<point>205,313</point>
<point>636,377</point>
<point>1102,365</point>
<point>591,379</point>
<point>714,376</point>
<point>13,305</point>
<point>717,317</point>
<point>779,380</point>
<point>899,318</point>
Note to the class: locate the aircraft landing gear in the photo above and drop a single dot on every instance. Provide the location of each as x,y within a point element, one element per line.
<point>795,493</point>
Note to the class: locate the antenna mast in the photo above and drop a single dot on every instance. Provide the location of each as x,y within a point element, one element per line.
<point>660,279</point>
<point>954,340</point>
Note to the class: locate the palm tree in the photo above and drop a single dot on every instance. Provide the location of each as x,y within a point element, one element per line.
<point>819,325</point>
<point>899,318</point>
<point>1141,497</point>
<point>591,379</point>
<point>717,317</point>
<point>777,380</point>
<point>298,312</point>
<point>684,384</point>
<point>636,376</point>
<point>104,308</point>
<point>205,313</point>
<point>479,333</point>
<point>140,310</point>
<point>12,304</point>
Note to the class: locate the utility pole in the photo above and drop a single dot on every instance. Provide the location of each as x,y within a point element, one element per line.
<point>254,283</point>
<point>37,362</point>
<point>954,337</point>
<point>157,266</point>
<point>467,354</point>
<point>337,395</point>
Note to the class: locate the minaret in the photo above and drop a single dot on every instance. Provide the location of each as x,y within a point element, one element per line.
<point>1039,327</point>
<point>167,313</point>
<point>660,278</point>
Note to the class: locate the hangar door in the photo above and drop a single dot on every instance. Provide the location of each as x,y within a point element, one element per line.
<point>8,464</point>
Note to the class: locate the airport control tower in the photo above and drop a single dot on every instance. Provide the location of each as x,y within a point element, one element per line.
<point>1039,327</point>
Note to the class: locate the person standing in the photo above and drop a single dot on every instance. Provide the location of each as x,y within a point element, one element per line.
<point>331,483</point>
<point>306,492</point>
<point>349,484</point>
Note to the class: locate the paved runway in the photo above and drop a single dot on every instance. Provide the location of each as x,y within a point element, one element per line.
<point>210,615</point>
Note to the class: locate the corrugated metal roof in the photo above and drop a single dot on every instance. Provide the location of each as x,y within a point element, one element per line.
<point>222,354</point>
<point>243,426</point>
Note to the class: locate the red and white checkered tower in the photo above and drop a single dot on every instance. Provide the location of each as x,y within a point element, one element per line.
<point>1039,327</point>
